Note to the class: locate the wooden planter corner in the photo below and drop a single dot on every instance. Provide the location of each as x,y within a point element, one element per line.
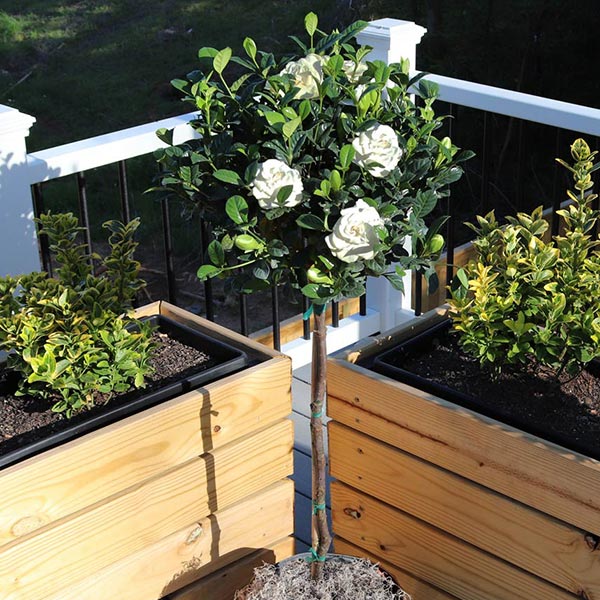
<point>458,505</point>
<point>159,500</point>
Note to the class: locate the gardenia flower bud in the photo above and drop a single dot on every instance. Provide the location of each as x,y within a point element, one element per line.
<point>272,175</point>
<point>307,74</point>
<point>354,235</point>
<point>354,71</point>
<point>377,150</point>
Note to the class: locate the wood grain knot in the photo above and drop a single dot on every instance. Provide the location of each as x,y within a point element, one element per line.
<point>592,541</point>
<point>352,512</point>
<point>28,524</point>
<point>217,428</point>
<point>194,535</point>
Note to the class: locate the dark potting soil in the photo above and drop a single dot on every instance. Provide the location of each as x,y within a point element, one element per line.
<point>567,412</point>
<point>25,419</point>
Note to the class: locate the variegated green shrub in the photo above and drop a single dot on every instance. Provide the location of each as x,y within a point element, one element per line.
<point>67,336</point>
<point>528,296</point>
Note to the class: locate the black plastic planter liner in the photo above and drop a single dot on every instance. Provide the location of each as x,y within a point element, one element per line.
<point>224,359</point>
<point>388,363</point>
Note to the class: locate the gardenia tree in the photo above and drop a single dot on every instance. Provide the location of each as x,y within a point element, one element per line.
<point>314,172</point>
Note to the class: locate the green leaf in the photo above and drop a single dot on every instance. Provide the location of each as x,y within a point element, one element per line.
<point>216,253</point>
<point>206,271</point>
<point>463,278</point>
<point>207,52</point>
<point>291,126</point>
<point>237,209</point>
<point>221,60</point>
<point>310,221</point>
<point>165,135</point>
<point>261,271</point>
<point>227,176</point>
<point>346,156</point>
<point>274,117</point>
<point>250,47</point>
<point>284,193</point>
<point>396,280</point>
<point>311,290</point>
<point>304,109</point>
<point>311,21</point>
<point>336,180</point>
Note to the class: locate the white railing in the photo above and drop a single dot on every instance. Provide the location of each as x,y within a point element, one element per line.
<point>391,40</point>
<point>554,113</point>
<point>107,149</point>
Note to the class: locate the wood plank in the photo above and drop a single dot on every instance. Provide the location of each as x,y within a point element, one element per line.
<point>223,584</point>
<point>54,557</point>
<point>195,551</point>
<point>195,322</point>
<point>370,346</point>
<point>558,482</point>
<point>417,588</point>
<point>436,557</point>
<point>293,328</point>
<point>63,480</point>
<point>505,528</point>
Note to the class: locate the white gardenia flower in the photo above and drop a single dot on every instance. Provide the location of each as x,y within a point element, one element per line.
<point>272,175</point>
<point>354,71</point>
<point>307,74</point>
<point>354,235</point>
<point>377,150</point>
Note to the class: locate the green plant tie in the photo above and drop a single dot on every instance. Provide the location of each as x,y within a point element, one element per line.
<point>315,557</point>
<point>317,507</point>
<point>317,414</point>
<point>318,309</point>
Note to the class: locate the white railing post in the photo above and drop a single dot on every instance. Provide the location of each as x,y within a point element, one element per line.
<point>18,242</point>
<point>391,40</point>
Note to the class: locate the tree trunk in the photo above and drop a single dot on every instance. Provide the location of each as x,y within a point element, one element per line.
<point>321,537</point>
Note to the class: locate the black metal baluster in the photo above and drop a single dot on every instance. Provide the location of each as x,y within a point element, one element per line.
<point>244,313</point>
<point>305,322</point>
<point>449,245</point>
<point>596,200</point>
<point>451,216</point>
<point>556,196</point>
<point>335,313</point>
<point>520,170</point>
<point>84,217</point>
<point>485,164</point>
<point>452,120</point>
<point>305,301</point>
<point>124,192</point>
<point>43,242</point>
<point>208,289</point>
<point>168,244</point>
<point>276,323</point>
<point>418,293</point>
<point>362,301</point>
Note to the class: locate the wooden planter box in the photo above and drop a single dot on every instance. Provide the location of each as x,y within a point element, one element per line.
<point>173,495</point>
<point>456,505</point>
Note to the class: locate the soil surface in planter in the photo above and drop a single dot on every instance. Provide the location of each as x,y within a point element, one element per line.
<point>567,413</point>
<point>25,419</point>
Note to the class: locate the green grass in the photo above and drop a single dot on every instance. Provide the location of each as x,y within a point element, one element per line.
<point>90,67</point>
